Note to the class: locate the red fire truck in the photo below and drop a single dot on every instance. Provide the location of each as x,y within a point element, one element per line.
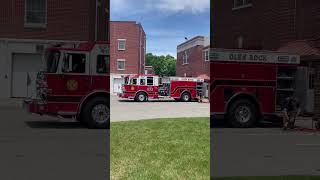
<point>247,86</point>
<point>144,87</point>
<point>75,84</point>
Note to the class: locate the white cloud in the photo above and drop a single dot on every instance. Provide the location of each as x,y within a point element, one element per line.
<point>194,6</point>
<point>165,6</point>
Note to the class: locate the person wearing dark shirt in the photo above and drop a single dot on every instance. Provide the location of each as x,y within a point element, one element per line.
<point>291,110</point>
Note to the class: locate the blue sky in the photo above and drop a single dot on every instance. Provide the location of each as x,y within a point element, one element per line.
<point>166,22</point>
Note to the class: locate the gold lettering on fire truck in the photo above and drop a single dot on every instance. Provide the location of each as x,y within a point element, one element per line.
<point>72,85</point>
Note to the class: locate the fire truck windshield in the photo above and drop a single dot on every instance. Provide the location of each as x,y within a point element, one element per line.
<point>52,58</point>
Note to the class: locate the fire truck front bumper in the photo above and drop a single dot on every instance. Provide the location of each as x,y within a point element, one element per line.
<point>125,96</point>
<point>35,106</point>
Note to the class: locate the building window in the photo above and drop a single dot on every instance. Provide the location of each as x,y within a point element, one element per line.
<point>240,42</point>
<point>121,44</point>
<point>35,13</point>
<point>238,4</point>
<point>185,58</point>
<point>121,64</point>
<point>206,55</point>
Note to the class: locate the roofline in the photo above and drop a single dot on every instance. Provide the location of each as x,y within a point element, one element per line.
<point>132,22</point>
<point>189,40</point>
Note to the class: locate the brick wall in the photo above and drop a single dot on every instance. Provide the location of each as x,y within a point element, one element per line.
<point>134,54</point>
<point>66,20</point>
<point>196,64</point>
<point>265,25</point>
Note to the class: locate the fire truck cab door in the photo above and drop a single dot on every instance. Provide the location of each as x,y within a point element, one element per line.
<point>152,85</point>
<point>75,75</point>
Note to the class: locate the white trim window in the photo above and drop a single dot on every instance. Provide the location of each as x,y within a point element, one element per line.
<point>121,64</point>
<point>206,55</point>
<point>121,44</point>
<point>35,13</point>
<point>238,4</point>
<point>185,58</point>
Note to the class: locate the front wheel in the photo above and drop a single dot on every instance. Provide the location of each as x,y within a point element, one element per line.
<point>97,113</point>
<point>242,114</point>
<point>141,97</point>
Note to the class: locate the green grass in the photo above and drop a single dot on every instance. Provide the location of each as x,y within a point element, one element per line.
<point>272,178</point>
<point>161,149</point>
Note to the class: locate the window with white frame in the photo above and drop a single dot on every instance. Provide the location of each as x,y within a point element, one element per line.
<point>121,64</point>
<point>206,55</point>
<point>185,58</point>
<point>121,44</point>
<point>237,4</point>
<point>35,12</point>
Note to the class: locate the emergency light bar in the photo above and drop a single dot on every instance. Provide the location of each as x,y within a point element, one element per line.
<point>253,56</point>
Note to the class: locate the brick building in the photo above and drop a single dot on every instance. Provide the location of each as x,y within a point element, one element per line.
<point>193,57</point>
<point>29,26</point>
<point>193,60</point>
<point>258,24</point>
<point>281,25</point>
<point>127,51</point>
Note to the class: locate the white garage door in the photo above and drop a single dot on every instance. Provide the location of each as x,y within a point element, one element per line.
<point>117,83</point>
<point>24,71</point>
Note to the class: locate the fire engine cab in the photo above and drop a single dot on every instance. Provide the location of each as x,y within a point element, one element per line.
<point>75,84</point>
<point>144,87</point>
<point>247,86</point>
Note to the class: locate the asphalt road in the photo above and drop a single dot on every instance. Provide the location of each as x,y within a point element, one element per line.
<point>127,110</point>
<point>265,151</point>
<point>38,148</point>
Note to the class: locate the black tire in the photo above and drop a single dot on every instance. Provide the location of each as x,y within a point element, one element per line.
<point>141,97</point>
<point>101,106</point>
<point>242,114</point>
<point>185,97</point>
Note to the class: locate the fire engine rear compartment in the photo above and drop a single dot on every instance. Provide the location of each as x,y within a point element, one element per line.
<point>241,85</point>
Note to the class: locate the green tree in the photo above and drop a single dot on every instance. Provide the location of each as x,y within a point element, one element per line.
<point>162,65</point>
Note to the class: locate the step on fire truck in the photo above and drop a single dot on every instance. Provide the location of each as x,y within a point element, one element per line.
<point>75,84</point>
<point>144,87</point>
<point>247,86</point>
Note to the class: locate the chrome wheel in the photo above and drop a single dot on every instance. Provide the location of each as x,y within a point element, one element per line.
<point>141,97</point>
<point>100,113</point>
<point>186,97</point>
<point>243,114</point>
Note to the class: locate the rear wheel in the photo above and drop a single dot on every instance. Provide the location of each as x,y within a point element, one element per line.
<point>141,97</point>
<point>242,114</point>
<point>185,97</point>
<point>97,113</point>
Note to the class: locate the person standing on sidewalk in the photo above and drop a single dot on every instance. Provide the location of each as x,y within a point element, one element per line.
<point>291,110</point>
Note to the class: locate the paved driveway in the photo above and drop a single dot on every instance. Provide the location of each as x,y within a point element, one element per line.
<point>129,110</point>
<point>265,151</point>
<point>38,148</point>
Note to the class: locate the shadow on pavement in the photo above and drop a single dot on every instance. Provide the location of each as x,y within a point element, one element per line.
<point>55,125</point>
<point>223,124</point>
